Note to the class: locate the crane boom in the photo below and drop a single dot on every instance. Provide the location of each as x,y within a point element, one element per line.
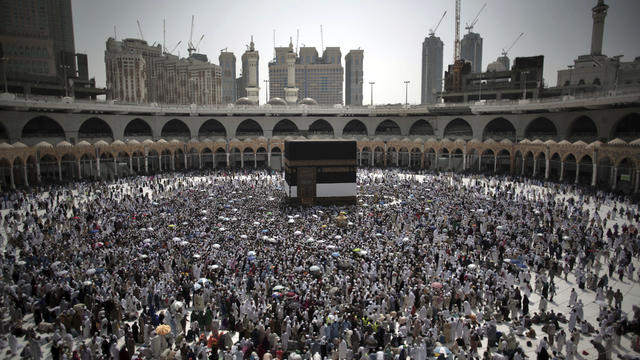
<point>140,29</point>
<point>190,47</point>
<point>433,32</point>
<point>175,47</point>
<point>199,41</point>
<point>475,20</point>
<point>504,53</point>
<point>456,50</point>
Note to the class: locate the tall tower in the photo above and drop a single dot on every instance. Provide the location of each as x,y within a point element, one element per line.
<point>432,52</point>
<point>599,13</point>
<point>472,50</point>
<point>251,57</point>
<point>291,91</point>
<point>228,64</point>
<point>353,77</point>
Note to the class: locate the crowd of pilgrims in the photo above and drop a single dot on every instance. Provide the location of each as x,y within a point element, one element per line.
<point>92,270</point>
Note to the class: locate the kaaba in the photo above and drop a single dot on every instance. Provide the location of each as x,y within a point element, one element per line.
<point>320,171</point>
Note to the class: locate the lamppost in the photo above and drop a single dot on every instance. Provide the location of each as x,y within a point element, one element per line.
<point>266,91</point>
<point>371,83</point>
<point>524,79</point>
<point>66,80</point>
<point>406,92</point>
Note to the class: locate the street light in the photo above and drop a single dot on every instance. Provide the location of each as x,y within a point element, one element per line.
<point>406,92</point>
<point>266,91</point>
<point>524,79</point>
<point>371,83</point>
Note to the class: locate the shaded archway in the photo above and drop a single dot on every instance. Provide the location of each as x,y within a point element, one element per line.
<point>625,176</point>
<point>499,129</point>
<point>179,160</point>
<point>416,158</point>
<point>570,166</point>
<point>285,127</point>
<point>365,156</point>
<point>123,164</point>
<point>276,158</point>
<point>378,156</point>
<point>235,158</point>
<point>458,128</point>
<point>585,170</point>
<point>262,158</point>
<point>388,127</point>
<point>456,159</point>
<point>220,158</point>
<point>95,129</point>
<point>138,128</point>
<point>248,158</point>
<point>138,162</point>
<point>541,128</point>
<point>5,172</point>
<point>49,168</point>
<point>4,135</point>
<point>249,128</point>
<point>628,128</point>
<point>554,166</point>
<point>175,129</point>
<point>354,128</point>
<point>503,164</point>
<point>87,166</point>
<point>165,160</point>
<point>421,128</point>
<point>43,127</point>
<point>583,128</point>
<point>153,161</point>
<point>392,156</point>
<point>69,167</point>
<point>488,161</point>
<point>212,128</point>
<point>208,159</point>
<point>321,127</point>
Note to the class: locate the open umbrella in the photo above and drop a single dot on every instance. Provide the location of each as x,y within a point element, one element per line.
<point>335,254</point>
<point>297,233</point>
<point>255,223</point>
<point>277,295</point>
<point>363,253</point>
<point>331,247</point>
<point>356,250</point>
<point>251,253</point>
<point>176,239</point>
<point>197,286</point>
<point>146,241</point>
<point>314,268</point>
<point>243,236</point>
<point>21,263</point>
<point>436,285</point>
<point>184,243</point>
<point>272,240</point>
<point>214,267</point>
<point>91,271</point>
<point>278,288</point>
<point>338,237</point>
<point>441,350</point>
<point>291,221</point>
<point>216,246</point>
<point>163,330</point>
<point>62,273</point>
<point>472,266</point>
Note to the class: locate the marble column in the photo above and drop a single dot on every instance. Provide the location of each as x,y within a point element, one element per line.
<point>615,178</point>
<point>577,172</point>
<point>26,178</point>
<point>546,169</point>
<point>594,175</point>
<point>60,170</point>
<point>561,170</point>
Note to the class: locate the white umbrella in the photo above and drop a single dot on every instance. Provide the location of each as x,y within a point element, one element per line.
<point>216,246</point>
<point>177,239</point>
<point>378,234</point>
<point>297,232</point>
<point>88,283</point>
<point>499,227</point>
<point>405,239</point>
<point>350,223</point>
<point>203,212</point>
<point>291,221</point>
<point>338,237</point>
<point>222,229</point>
<point>272,240</point>
<point>214,267</point>
<point>278,288</point>
<point>143,256</point>
<point>243,236</point>
<point>184,243</point>
<point>331,247</point>
<point>472,266</point>
<point>149,229</point>
<point>196,256</point>
<point>55,264</point>
<point>363,253</point>
<point>310,240</point>
<point>251,253</point>
<point>146,241</point>
<point>320,241</point>
<point>91,271</point>
<point>185,223</point>
<point>255,223</point>
<point>21,263</point>
<point>62,273</point>
<point>314,268</point>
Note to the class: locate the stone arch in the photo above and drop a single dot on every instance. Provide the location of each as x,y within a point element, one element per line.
<point>355,127</point>
<point>583,128</point>
<point>49,168</point>
<point>585,172</point>
<point>94,129</point>
<point>249,128</point>
<point>541,128</point>
<point>42,127</point>
<point>321,127</point>
<point>378,156</point>
<point>421,128</point>
<point>387,127</point>
<point>503,164</point>
<point>138,128</point>
<point>68,165</point>
<point>212,128</point>
<point>416,158</point>
<point>175,129</point>
<point>627,128</point>
<point>458,128</point>
<point>499,129</point>
<point>285,127</point>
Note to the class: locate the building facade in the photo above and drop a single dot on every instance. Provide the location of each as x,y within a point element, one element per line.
<point>227,62</point>
<point>37,40</point>
<point>319,78</point>
<point>126,73</point>
<point>354,77</point>
<point>471,50</point>
<point>431,80</point>
<point>188,81</point>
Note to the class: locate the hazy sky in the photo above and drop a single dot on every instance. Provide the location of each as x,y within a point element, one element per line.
<point>390,32</point>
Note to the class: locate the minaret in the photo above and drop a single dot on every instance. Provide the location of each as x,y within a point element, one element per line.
<point>291,91</point>
<point>253,91</point>
<point>599,13</point>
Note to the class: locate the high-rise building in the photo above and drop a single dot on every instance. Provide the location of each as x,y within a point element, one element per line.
<point>319,78</point>
<point>37,38</point>
<point>228,65</point>
<point>126,50</point>
<point>126,72</point>
<point>471,50</point>
<point>188,81</point>
<point>353,77</point>
<point>432,52</point>
<point>250,60</point>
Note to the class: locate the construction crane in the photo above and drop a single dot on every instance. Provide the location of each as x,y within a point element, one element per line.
<point>456,48</point>
<point>505,52</point>
<point>175,47</point>
<point>199,41</point>
<point>190,47</point>
<point>140,29</point>
<point>433,32</point>
<point>475,20</point>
